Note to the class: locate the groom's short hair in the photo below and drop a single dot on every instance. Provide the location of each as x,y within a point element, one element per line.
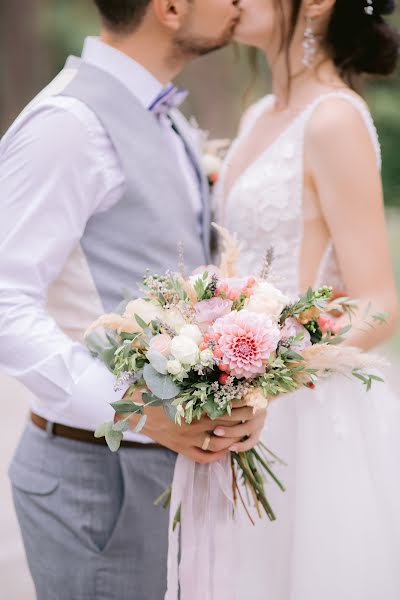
<point>120,15</point>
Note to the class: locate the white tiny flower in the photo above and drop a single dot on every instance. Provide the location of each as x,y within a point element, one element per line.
<point>193,332</point>
<point>174,367</point>
<point>185,350</point>
<point>207,357</point>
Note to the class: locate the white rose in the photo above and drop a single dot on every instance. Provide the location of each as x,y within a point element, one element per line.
<point>174,367</point>
<point>211,164</point>
<point>207,358</point>
<point>193,332</point>
<point>148,311</point>
<point>185,350</point>
<point>267,299</point>
<point>174,318</point>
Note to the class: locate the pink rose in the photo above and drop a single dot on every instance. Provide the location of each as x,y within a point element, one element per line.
<point>327,323</point>
<point>208,311</point>
<point>161,343</point>
<point>234,284</point>
<point>291,328</point>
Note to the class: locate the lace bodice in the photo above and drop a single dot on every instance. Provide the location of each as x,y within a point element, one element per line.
<point>265,203</point>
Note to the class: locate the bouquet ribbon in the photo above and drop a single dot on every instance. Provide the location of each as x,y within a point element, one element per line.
<point>200,547</point>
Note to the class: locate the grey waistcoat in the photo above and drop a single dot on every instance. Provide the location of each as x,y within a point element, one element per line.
<point>143,229</point>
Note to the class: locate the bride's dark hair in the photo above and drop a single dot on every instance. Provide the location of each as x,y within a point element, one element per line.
<point>358,42</point>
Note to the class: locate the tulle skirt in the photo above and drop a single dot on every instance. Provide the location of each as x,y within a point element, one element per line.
<point>337,534</point>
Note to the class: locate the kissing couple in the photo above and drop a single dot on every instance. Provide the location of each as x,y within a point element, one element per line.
<point>100,177</point>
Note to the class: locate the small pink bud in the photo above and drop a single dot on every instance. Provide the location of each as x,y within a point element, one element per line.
<point>217,352</point>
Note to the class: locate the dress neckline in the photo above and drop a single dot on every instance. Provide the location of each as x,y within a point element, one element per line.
<point>268,101</point>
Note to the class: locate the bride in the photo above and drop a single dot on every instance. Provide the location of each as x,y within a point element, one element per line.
<point>303,177</point>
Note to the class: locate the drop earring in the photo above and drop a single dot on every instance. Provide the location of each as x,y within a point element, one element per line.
<point>309,44</point>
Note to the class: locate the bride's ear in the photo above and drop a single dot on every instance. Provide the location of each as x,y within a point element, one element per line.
<point>317,8</point>
<point>170,13</point>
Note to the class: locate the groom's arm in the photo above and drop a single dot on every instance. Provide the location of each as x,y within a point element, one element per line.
<point>51,182</point>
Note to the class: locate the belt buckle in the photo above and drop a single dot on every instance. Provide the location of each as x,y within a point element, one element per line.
<point>50,428</point>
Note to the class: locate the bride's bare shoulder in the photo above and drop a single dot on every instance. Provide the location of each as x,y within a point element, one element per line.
<point>339,114</point>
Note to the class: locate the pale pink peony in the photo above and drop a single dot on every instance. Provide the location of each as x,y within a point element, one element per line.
<point>161,343</point>
<point>291,328</point>
<point>208,311</point>
<point>246,340</point>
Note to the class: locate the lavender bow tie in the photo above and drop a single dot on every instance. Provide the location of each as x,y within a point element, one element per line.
<point>169,98</point>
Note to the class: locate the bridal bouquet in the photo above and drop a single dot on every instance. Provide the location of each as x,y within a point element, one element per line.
<point>200,343</point>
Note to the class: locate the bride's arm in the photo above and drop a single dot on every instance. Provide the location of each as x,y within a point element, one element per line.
<point>341,160</point>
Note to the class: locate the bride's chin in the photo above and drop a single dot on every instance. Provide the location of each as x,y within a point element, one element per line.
<point>246,38</point>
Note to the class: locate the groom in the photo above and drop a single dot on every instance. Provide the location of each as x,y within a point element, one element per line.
<point>99,181</point>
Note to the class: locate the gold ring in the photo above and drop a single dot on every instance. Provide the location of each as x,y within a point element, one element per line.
<point>206,442</point>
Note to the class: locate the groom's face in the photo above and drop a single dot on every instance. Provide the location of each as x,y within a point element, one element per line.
<point>209,25</point>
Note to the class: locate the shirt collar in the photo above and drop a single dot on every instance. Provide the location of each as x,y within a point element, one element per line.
<point>133,75</point>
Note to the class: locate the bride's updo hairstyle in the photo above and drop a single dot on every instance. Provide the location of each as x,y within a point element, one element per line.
<point>359,39</point>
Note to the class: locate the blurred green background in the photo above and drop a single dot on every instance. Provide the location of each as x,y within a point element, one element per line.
<point>37,35</point>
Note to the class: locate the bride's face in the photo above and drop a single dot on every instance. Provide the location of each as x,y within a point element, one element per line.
<point>262,23</point>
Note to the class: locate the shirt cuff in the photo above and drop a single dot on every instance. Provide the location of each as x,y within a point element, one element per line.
<point>89,404</point>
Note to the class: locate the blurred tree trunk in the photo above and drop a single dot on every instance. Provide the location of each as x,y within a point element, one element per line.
<point>22,69</point>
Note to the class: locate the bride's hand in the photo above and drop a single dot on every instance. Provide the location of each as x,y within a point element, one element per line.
<point>244,424</point>
<point>216,436</point>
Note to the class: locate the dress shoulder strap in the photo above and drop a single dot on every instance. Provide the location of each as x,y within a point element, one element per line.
<point>360,106</point>
<point>253,113</point>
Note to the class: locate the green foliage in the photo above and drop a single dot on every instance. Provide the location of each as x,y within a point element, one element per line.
<point>161,386</point>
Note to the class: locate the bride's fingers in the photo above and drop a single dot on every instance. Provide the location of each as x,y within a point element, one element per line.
<point>238,415</point>
<point>247,444</point>
<point>239,431</point>
<point>214,444</point>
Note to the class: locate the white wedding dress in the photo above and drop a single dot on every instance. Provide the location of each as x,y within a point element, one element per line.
<point>337,535</point>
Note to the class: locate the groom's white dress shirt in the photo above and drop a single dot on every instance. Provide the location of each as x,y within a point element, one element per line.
<point>58,167</point>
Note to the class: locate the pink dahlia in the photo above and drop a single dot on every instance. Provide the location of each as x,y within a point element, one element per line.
<point>246,340</point>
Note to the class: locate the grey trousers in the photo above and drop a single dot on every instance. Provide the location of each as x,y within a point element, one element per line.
<point>87,518</point>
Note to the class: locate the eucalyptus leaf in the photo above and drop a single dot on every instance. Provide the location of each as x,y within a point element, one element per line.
<point>114,439</point>
<point>101,347</point>
<point>161,386</point>
<point>141,323</point>
<point>170,410</point>
<point>122,425</point>
<point>150,399</point>
<point>141,424</point>
<point>157,361</point>
<point>102,429</point>
<point>125,406</point>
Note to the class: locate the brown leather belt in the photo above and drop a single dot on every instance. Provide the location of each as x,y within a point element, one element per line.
<point>81,435</point>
